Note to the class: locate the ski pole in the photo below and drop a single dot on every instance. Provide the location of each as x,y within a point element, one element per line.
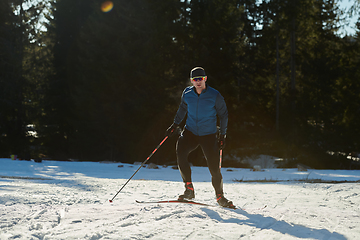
<point>111,200</point>
<point>220,158</point>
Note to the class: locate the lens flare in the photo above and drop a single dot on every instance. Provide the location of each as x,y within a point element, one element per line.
<point>107,6</point>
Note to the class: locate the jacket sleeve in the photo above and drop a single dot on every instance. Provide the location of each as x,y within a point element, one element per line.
<point>181,113</point>
<point>222,112</point>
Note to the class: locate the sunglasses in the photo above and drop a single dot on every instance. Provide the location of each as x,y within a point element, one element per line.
<point>198,79</point>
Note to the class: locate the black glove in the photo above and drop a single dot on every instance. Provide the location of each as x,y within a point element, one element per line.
<point>221,141</point>
<point>171,130</point>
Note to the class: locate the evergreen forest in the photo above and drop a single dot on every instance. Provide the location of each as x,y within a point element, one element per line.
<point>78,81</point>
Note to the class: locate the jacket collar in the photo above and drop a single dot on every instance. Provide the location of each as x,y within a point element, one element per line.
<point>203,91</point>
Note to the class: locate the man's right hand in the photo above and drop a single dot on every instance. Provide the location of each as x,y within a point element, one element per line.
<point>171,130</point>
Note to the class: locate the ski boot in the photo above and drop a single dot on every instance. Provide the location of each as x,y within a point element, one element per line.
<point>222,201</point>
<point>189,192</point>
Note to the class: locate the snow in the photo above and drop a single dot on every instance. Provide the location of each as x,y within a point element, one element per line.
<point>70,200</point>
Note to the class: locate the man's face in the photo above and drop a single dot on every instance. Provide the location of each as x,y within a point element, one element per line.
<point>199,82</point>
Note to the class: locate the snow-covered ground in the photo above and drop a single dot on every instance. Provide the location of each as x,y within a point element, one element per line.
<point>70,200</point>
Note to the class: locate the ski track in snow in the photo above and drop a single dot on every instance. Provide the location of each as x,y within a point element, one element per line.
<point>76,206</point>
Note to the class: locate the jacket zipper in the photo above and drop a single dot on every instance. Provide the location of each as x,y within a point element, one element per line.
<point>197,114</point>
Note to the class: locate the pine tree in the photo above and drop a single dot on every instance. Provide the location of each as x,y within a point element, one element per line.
<point>68,18</point>
<point>123,60</point>
<point>15,34</point>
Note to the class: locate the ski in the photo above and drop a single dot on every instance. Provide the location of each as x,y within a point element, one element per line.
<point>198,203</point>
<point>184,201</point>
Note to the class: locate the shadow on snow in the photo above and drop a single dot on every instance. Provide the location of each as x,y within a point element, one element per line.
<point>261,222</point>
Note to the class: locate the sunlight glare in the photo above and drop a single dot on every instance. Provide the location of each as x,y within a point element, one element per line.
<point>107,6</point>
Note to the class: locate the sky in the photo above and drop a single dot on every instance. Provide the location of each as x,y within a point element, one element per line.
<point>346,4</point>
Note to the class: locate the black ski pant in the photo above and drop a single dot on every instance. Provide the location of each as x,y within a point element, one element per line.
<point>187,143</point>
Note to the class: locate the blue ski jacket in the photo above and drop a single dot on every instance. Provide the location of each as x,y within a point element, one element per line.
<point>202,110</point>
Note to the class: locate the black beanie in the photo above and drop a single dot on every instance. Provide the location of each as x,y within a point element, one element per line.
<point>196,72</point>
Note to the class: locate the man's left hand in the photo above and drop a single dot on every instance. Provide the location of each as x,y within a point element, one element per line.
<point>221,141</point>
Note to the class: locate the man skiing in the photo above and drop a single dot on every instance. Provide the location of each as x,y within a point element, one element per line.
<point>201,103</point>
